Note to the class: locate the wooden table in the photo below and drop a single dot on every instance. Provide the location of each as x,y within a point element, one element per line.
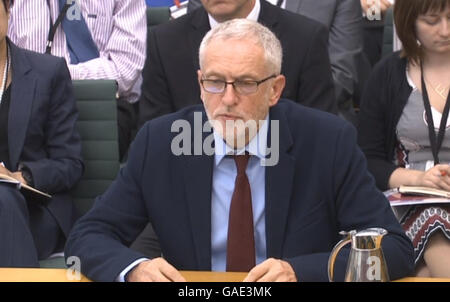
<point>39,275</point>
<point>63,275</point>
<point>196,276</point>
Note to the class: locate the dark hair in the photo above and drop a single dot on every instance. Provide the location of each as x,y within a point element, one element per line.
<point>7,4</point>
<point>405,16</point>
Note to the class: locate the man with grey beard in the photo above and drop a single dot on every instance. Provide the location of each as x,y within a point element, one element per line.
<point>227,211</point>
<point>172,56</point>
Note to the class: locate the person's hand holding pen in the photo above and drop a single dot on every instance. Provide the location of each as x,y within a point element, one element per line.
<point>16,175</point>
<point>437,177</point>
<point>3,170</point>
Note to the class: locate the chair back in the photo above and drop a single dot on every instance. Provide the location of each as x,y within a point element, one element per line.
<point>97,125</point>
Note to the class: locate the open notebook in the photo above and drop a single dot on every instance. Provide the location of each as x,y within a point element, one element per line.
<point>26,190</point>
<point>409,195</point>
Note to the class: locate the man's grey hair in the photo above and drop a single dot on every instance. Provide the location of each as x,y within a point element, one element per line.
<point>249,30</point>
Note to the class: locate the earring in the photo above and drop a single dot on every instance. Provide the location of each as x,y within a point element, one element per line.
<point>418,43</point>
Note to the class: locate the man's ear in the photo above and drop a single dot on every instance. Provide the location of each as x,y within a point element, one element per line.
<point>277,89</point>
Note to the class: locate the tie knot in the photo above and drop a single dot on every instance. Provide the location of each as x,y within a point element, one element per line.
<point>241,162</point>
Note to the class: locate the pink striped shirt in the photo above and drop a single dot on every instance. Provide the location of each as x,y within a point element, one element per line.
<point>118,27</point>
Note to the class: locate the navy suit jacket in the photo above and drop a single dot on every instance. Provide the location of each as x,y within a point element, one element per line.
<point>344,23</point>
<point>319,187</point>
<point>41,128</point>
<point>170,71</point>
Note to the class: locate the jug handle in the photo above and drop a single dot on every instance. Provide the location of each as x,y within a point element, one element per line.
<point>335,252</point>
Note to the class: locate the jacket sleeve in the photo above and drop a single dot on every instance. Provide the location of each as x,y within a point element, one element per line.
<point>372,132</point>
<point>101,237</point>
<point>63,166</point>
<point>358,205</point>
<point>346,50</point>
<point>316,88</point>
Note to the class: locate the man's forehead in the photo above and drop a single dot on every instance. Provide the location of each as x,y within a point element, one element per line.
<point>243,75</point>
<point>234,49</point>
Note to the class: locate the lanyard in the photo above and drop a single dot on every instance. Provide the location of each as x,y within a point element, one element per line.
<point>435,143</point>
<point>54,27</point>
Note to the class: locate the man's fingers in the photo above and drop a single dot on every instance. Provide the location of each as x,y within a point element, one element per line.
<point>257,272</point>
<point>270,276</point>
<point>272,270</point>
<point>3,170</point>
<point>157,270</point>
<point>171,273</point>
<point>158,276</point>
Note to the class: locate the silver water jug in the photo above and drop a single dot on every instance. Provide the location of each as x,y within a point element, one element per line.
<point>366,261</point>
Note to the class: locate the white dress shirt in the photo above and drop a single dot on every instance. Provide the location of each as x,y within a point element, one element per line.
<point>118,28</point>
<point>253,15</point>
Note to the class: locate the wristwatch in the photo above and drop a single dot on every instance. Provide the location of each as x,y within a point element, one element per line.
<point>26,174</point>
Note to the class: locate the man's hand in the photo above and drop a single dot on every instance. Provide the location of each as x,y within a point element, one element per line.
<point>15,175</point>
<point>3,170</point>
<point>155,270</point>
<point>18,176</point>
<point>272,270</point>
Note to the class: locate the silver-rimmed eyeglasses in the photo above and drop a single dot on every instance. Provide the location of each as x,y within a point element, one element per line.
<point>240,86</point>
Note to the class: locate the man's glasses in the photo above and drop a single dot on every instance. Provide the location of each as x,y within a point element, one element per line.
<point>241,87</point>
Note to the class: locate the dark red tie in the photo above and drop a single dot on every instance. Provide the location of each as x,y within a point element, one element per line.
<point>241,241</point>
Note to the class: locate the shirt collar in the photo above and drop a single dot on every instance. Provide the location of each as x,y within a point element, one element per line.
<point>257,146</point>
<point>253,15</point>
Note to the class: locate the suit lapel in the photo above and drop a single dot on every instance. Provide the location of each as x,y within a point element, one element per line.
<point>268,15</point>
<point>279,180</point>
<point>200,26</point>
<point>198,187</point>
<point>22,94</point>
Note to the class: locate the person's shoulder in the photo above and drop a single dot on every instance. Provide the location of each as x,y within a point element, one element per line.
<point>160,132</point>
<point>41,63</point>
<point>393,60</point>
<point>310,128</point>
<point>294,22</point>
<point>180,25</point>
<point>164,124</point>
<point>390,64</point>
<point>301,117</point>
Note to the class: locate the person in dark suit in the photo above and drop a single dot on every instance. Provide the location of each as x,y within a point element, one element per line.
<point>220,198</point>
<point>345,44</point>
<point>39,146</point>
<point>172,62</point>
